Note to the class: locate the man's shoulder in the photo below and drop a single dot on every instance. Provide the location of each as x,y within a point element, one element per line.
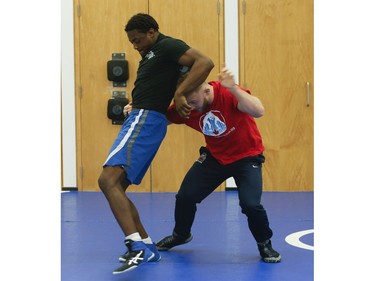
<point>170,46</point>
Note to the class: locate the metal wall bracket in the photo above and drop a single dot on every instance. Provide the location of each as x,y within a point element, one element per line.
<point>118,56</point>
<point>119,94</point>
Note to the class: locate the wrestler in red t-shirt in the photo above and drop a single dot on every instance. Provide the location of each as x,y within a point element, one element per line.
<point>229,133</point>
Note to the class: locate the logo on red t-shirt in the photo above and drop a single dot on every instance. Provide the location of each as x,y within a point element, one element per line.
<point>212,123</point>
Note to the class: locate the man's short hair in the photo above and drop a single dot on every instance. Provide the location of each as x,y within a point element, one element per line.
<point>141,22</point>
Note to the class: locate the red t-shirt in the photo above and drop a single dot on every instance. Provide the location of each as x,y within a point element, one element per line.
<point>229,133</point>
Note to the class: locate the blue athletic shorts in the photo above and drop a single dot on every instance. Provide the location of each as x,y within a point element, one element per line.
<point>137,143</point>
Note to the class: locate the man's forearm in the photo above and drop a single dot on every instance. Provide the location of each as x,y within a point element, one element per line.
<point>247,103</point>
<point>197,75</point>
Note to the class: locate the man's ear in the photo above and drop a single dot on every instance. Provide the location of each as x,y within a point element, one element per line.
<point>151,32</point>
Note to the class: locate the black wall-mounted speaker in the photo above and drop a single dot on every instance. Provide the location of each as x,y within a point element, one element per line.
<point>118,70</point>
<point>115,109</point>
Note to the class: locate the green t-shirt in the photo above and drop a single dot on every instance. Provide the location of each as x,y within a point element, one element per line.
<point>158,73</point>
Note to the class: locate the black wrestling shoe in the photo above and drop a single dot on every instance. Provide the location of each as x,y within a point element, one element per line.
<point>267,253</point>
<point>123,257</point>
<point>139,254</point>
<point>171,241</point>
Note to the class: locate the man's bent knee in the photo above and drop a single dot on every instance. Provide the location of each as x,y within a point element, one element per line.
<point>110,177</point>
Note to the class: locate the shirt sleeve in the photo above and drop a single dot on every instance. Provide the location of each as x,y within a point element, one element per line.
<point>175,48</point>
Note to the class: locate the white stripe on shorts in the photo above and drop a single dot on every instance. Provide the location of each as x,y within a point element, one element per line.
<point>126,137</point>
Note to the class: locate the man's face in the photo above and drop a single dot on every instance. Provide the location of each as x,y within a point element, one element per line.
<point>141,41</point>
<point>198,100</point>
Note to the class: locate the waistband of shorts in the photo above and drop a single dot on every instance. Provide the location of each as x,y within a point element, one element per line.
<point>153,112</point>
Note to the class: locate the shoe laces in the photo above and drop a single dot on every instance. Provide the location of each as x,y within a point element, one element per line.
<point>169,239</point>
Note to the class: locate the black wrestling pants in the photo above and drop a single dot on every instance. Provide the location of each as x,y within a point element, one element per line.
<point>206,175</point>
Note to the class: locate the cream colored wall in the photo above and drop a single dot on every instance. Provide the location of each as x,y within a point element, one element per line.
<point>276,163</point>
<point>68,109</point>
